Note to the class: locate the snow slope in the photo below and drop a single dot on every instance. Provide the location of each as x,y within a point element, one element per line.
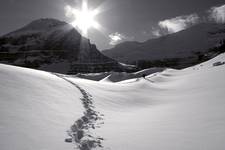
<point>117,76</point>
<point>172,110</point>
<point>36,109</point>
<point>121,76</point>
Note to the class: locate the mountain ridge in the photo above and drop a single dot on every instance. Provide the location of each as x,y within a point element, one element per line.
<point>45,43</point>
<point>183,44</point>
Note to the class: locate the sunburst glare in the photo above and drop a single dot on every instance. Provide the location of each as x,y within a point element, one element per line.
<point>84,18</point>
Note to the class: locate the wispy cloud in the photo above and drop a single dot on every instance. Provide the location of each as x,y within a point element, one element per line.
<point>156,32</point>
<point>217,14</point>
<point>68,11</point>
<point>176,24</point>
<point>179,23</point>
<point>116,38</point>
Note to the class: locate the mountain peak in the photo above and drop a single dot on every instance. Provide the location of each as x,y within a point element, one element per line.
<point>39,25</point>
<point>45,23</point>
<point>47,44</point>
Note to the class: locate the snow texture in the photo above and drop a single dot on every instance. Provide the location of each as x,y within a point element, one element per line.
<point>172,110</point>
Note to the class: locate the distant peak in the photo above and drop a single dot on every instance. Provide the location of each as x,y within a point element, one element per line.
<point>45,23</point>
<point>39,25</point>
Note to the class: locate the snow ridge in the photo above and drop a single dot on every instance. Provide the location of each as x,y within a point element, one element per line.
<point>79,132</point>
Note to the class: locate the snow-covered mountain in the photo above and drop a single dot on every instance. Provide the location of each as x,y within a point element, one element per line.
<point>184,46</point>
<point>172,110</point>
<point>53,45</point>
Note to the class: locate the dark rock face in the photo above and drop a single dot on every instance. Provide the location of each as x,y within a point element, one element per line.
<point>53,45</point>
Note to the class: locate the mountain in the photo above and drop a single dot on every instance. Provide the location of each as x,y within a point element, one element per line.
<point>53,45</point>
<point>184,47</point>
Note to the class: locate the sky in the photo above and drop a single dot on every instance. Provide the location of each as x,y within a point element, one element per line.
<point>120,20</point>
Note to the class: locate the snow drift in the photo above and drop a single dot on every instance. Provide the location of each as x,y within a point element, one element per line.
<point>36,109</point>
<point>173,109</point>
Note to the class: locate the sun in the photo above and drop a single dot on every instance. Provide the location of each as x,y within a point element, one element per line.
<point>84,19</point>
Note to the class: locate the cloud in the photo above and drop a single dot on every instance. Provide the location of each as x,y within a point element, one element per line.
<point>179,23</point>
<point>156,32</point>
<point>68,11</point>
<point>218,14</point>
<point>116,38</point>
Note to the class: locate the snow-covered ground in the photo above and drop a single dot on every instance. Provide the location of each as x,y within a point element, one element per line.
<point>169,110</point>
<point>118,76</point>
<point>36,109</point>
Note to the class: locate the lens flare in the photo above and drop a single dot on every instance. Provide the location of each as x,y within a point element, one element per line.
<point>84,18</point>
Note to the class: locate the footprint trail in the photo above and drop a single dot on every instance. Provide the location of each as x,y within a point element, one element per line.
<point>79,132</point>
